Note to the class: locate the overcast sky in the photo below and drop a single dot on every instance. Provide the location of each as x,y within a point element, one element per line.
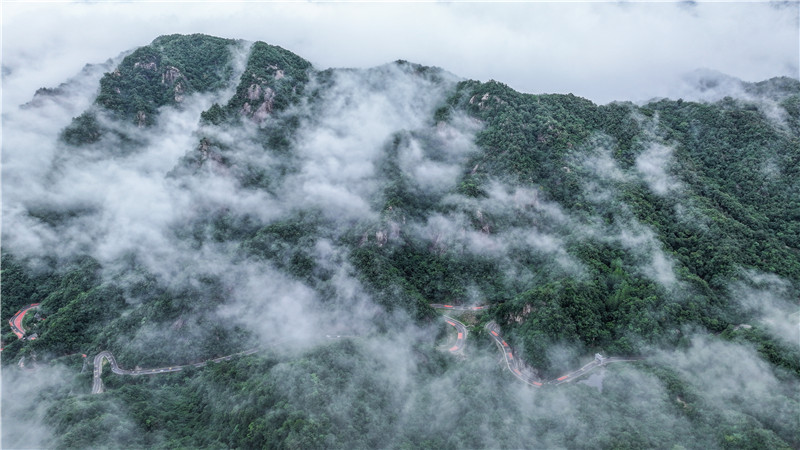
<point>602,51</point>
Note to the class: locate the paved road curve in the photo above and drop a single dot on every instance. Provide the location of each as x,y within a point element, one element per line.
<point>461,338</point>
<point>16,320</point>
<point>515,366</point>
<point>97,382</point>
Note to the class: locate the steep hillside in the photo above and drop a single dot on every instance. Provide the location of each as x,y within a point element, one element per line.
<point>222,198</point>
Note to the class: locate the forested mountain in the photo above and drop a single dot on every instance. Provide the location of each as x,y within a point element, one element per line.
<point>205,196</point>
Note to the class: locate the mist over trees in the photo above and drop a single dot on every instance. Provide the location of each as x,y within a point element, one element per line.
<point>200,196</point>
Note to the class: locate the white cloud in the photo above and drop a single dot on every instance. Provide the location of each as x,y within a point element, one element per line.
<point>726,373</point>
<point>767,298</point>
<point>603,51</point>
<point>652,164</point>
<point>341,146</point>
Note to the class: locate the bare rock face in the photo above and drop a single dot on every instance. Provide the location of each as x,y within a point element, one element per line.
<point>278,74</point>
<point>260,97</point>
<point>254,92</point>
<point>269,95</point>
<point>262,112</point>
<point>204,149</point>
<point>486,227</point>
<point>483,103</point>
<point>145,65</point>
<point>483,99</point>
<point>178,91</point>
<point>211,158</point>
<point>519,318</point>
<point>394,230</point>
<point>171,75</point>
<point>206,152</point>
<point>141,119</point>
<point>263,96</point>
<point>438,244</point>
<point>265,108</point>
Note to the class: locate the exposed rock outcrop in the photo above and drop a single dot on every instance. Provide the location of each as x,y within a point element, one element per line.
<point>260,102</point>
<point>170,75</point>
<point>145,65</point>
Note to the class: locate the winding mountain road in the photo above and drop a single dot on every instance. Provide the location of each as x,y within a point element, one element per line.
<point>16,320</point>
<point>515,365</point>
<point>97,382</point>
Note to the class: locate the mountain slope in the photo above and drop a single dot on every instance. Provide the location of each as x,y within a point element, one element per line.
<point>219,195</point>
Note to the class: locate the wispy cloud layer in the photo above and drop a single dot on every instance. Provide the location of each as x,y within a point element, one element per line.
<point>603,51</point>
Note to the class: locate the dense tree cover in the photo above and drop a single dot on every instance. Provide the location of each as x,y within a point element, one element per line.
<point>744,169</point>
<point>289,245</point>
<point>597,255</point>
<point>738,166</point>
<point>83,315</point>
<point>162,73</point>
<point>84,129</point>
<point>338,396</point>
<point>273,79</point>
<point>271,68</point>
